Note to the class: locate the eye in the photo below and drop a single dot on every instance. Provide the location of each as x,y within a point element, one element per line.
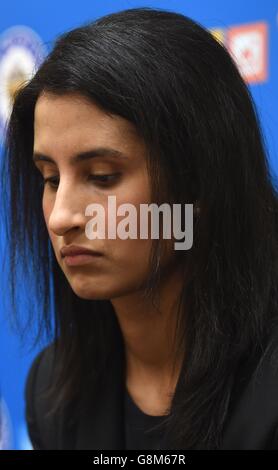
<point>102,179</point>
<point>52,181</point>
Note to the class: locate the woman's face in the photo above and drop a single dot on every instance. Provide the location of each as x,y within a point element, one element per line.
<point>65,126</point>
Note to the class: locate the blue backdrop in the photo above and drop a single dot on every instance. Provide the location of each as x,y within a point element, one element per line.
<point>250,31</point>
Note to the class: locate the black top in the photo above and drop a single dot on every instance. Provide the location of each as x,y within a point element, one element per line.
<point>251,421</point>
<point>142,431</point>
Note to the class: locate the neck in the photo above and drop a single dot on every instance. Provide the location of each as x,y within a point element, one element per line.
<point>148,333</point>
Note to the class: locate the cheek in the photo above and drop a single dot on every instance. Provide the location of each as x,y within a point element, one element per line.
<point>130,257</point>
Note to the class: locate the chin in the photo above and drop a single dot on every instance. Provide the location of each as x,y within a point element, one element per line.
<point>90,292</point>
<point>92,289</point>
<point>91,296</point>
<point>103,292</point>
<point>100,287</point>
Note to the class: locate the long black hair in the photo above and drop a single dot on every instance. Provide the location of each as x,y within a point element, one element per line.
<point>170,77</point>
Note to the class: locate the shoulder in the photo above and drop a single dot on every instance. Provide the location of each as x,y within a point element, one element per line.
<point>253,417</point>
<point>43,360</point>
<point>37,381</point>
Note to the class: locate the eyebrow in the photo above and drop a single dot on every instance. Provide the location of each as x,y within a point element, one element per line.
<point>80,157</point>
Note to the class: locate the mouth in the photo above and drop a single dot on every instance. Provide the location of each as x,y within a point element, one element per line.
<point>80,259</point>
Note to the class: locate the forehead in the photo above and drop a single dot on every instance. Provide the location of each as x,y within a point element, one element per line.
<point>73,118</point>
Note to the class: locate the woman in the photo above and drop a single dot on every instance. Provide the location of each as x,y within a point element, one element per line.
<point>153,347</point>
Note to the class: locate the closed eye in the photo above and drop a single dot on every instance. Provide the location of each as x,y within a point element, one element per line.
<point>102,179</point>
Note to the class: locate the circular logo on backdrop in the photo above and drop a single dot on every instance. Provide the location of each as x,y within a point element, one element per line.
<point>21,53</point>
<point>5,427</point>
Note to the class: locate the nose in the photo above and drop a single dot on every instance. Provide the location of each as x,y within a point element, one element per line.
<point>67,212</point>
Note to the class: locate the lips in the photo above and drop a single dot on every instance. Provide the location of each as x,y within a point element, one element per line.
<point>74,250</point>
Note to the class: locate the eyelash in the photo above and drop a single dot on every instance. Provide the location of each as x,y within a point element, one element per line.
<point>99,178</point>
